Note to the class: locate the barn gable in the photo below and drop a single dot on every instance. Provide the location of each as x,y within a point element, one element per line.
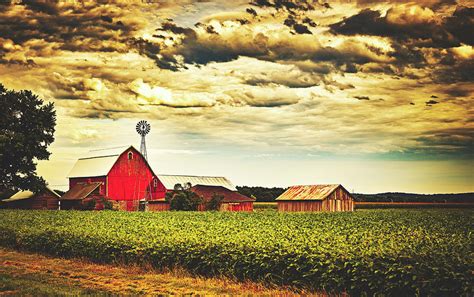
<point>99,165</point>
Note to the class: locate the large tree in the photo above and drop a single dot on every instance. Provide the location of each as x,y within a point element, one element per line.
<point>26,130</point>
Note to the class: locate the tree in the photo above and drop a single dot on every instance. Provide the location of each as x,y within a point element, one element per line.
<point>215,202</point>
<point>182,198</point>
<point>26,131</point>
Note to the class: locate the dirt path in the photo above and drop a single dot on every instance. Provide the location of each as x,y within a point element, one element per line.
<point>33,274</point>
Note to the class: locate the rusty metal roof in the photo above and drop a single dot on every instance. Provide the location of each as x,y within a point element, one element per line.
<point>80,191</point>
<point>310,192</point>
<point>207,192</point>
<point>169,181</point>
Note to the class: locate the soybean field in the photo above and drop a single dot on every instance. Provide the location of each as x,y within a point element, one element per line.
<point>389,252</point>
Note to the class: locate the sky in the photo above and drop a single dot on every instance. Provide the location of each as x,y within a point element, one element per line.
<point>374,95</point>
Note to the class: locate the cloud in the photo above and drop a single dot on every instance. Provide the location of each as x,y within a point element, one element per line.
<point>271,96</point>
<point>155,95</point>
<point>257,80</point>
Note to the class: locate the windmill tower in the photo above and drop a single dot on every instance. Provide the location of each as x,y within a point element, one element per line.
<point>143,128</point>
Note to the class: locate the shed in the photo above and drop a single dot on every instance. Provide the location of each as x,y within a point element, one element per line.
<point>232,200</point>
<point>45,199</point>
<point>316,198</point>
<point>81,194</point>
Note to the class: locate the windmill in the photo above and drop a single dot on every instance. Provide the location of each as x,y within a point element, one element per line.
<point>143,128</point>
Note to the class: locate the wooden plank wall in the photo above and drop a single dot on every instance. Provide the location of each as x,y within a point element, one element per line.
<point>299,205</point>
<point>158,206</point>
<point>240,206</point>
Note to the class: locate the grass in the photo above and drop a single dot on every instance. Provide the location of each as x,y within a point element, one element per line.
<point>259,206</point>
<point>30,274</point>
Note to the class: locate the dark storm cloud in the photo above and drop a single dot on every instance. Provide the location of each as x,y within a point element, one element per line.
<point>434,4</point>
<point>458,71</point>
<point>362,97</point>
<point>425,34</point>
<point>459,140</point>
<point>64,26</point>
<point>290,5</point>
<point>461,24</point>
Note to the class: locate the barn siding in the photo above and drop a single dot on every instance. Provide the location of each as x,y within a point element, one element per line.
<point>237,206</point>
<point>158,206</point>
<point>299,205</point>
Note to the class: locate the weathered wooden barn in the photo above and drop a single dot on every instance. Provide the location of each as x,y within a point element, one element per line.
<point>124,177</point>
<point>45,199</point>
<point>316,198</point>
<point>232,200</point>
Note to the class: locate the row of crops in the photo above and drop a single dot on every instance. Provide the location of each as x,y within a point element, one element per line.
<point>393,252</point>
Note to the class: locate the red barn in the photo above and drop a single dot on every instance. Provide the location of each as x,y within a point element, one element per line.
<point>316,198</point>
<point>166,183</point>
<point>126,178</point>
<point>232,200</point>
<point>46,199</point>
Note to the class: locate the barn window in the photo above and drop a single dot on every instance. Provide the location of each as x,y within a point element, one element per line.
<point>155,182</point>
<point>130,155</point>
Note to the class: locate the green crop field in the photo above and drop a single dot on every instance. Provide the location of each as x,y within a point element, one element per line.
<point>394,252</point>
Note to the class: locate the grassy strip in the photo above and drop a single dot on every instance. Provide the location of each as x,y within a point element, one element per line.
<point>32,274</point>
<point>380,205</point>
<point>388,252</point>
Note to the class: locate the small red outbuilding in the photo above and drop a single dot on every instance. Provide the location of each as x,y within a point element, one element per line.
<point>232,200</point>
<point>46,199</point>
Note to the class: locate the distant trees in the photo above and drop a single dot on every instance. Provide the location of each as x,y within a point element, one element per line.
<point>262,194</point>
<point>26,131</point>
<point>182,198</point>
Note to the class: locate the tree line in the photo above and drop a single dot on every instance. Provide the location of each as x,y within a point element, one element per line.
<point>263,194</point>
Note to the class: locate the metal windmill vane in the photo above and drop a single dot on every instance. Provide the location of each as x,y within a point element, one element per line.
<point>143,128</point>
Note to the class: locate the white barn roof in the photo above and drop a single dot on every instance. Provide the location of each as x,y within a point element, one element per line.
<point>169,181</point>
<point>98,163</point>
<point>95,166</point>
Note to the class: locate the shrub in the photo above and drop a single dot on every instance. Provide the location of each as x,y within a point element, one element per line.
<point>215,202</point>
<point>183,199</point>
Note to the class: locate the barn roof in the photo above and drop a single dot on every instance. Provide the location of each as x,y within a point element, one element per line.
<point>21,195</point>
<point>310,192</point>
<point>80,191</point>
<point>98,163</point>
<point>229,196</point>
<point>169,181</point>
